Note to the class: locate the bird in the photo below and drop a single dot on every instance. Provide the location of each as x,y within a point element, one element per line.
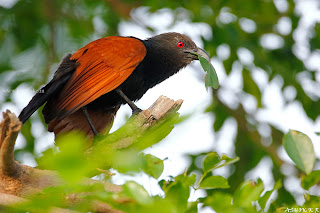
<point>90,85</point>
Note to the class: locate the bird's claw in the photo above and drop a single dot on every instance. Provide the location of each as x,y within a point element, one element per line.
<point>153,117</point>
<point>136,111</point>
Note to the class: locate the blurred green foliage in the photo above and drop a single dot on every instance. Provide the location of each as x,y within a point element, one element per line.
<point>34,36</point>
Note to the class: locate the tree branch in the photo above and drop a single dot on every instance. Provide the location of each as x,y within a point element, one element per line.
<point>137,125</point>
<point>18,182</point>
<point>12,201</point>
<point>9,129</point>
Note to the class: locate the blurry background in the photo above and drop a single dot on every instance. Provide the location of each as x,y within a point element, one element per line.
<point>266,54</point>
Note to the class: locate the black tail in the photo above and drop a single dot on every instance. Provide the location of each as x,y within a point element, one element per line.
<point>60,78</point>
<point>38,100</point>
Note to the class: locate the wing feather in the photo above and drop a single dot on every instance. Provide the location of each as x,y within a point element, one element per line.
<point>104,65</point>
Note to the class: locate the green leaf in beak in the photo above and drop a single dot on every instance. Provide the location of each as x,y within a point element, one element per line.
<point>211,78</point>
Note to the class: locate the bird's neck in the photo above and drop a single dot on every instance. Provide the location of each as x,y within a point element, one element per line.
<point>157,65</point>
<point>160,63</point>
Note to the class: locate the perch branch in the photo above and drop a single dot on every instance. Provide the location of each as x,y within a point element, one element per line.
<point>127,134</point>
<point>9,129</point>
<point>18,182</point>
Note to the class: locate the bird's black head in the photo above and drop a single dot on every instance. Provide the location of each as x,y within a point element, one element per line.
<point>174,49</point>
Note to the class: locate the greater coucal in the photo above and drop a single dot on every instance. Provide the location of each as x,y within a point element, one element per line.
<point>90,85</point>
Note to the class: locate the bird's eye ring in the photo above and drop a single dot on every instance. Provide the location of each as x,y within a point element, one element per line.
<point>180,44</point>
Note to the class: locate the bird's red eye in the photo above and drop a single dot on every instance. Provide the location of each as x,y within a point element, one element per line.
<point>180,44</point>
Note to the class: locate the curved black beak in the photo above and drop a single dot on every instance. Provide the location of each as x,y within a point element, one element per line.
<point>201,52</point>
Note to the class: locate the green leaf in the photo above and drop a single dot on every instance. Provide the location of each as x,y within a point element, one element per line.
<point>178,194</point>
<point>219,201</point>
<point>214,182</point>
<point>186,180</point>
<point>157,132</point>
<point>192,207</point>
<point>264,199</point>
<point>70,162</point>
<point>311,202</point>
<point>211,78</point>
<point>137,192</point>
<point>229,160</point>
<point>127,161</point>
<point>310,180</point>
<point>154,166</point>
<point>300,149</point>
<point>247,192</point>
<point>210,160</point>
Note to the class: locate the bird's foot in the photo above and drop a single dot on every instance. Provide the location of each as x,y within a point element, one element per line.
<point>153,118</point>
<point>136,111</point>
